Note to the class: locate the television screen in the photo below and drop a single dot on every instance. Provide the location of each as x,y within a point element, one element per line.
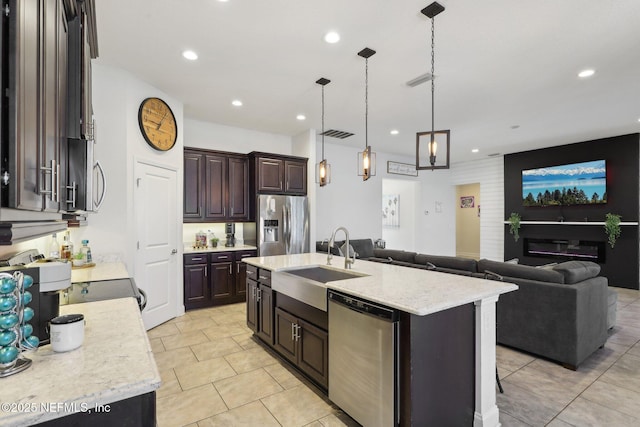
<point>573,184</point>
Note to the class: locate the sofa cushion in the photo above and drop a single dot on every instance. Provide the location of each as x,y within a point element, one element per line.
<point>363,247</point>
<point>577,271</point>
<point>323,246</point>
<point>395,255</point>
<point>520,271</point>
<point>448,262</point>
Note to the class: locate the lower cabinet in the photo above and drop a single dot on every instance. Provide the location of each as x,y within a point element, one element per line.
<point>303,344</point>
<point>214,278</point>
<point>260,304</point>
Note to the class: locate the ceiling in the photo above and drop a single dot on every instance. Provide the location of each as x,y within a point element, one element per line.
<point>506,71</point>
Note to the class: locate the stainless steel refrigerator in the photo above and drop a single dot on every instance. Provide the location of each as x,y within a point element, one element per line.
<point>282,225</point>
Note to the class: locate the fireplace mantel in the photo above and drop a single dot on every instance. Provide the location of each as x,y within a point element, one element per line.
<point>601,223</point>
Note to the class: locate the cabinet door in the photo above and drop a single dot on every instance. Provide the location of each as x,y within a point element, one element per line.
<point>295,177</point>
<point>252,305</point>
<point>241,271</point>
<point>215,187</point>
<point>197,292</point>
<point>265,311</point>
<point>221,280</point>
<point>238,189</point>
<point>61,122</point>
<point>25,153</point>
<point>270,175</point>
<point>313,352</point>
<point>285,336</point>
<point>193,190</point>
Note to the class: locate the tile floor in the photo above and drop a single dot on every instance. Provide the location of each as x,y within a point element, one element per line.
<point>215,374</point>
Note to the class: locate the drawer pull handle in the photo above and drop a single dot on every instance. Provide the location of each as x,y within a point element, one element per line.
<point>263,277</point>
<point>223,257</point>
<point>196,259</point>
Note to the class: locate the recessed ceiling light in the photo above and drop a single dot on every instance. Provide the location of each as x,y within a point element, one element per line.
<point>394,132</point>
<point>332,37</point>
<point>586,73</point>
<point>475,150</point>
<point>301,117</point>
<point>190,55</point>
<point>223,1</point>
<point>236,103</point>
<point>639,120</point>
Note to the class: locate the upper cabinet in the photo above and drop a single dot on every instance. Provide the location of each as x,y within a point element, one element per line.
<point>216,186</point>
<point>276,174</point>
<point>82,48</point>
<point>35,82</point>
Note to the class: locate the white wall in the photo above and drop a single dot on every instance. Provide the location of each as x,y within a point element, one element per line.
<point>213,136</point>
<point>355,204</point>
<point>404,236</point>
<point>490,174</point>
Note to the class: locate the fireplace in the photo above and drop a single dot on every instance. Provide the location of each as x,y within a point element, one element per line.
<point>565,249</point>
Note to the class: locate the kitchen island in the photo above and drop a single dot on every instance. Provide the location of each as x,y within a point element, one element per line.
<point>446,328</point>
<point>110,380</point>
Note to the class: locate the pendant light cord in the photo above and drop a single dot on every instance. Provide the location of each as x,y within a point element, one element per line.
<point>323,122</point>
<point>433,78</point>
<point>366,103</point>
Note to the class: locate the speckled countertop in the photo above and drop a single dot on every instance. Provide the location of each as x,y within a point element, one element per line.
<point>101,271</point>
<point>412,290</point>
<point>115,362</point>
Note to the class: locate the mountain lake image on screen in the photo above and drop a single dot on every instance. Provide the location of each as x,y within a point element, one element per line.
<point>571,184</point>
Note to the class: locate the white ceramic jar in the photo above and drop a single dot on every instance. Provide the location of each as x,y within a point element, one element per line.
<point>67,332</point>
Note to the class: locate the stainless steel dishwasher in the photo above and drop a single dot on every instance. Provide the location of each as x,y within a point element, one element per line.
<point>363,349</point>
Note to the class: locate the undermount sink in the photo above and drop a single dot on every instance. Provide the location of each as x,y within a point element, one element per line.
<point>308,284</point>
<point>323,274</point>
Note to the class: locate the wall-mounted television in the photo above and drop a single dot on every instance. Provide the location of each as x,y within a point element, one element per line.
<point>571,184</point>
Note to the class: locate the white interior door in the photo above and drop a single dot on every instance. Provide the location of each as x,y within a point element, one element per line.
<point>156,266</point>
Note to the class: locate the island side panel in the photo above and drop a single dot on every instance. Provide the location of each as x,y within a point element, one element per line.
<point>437,368</point>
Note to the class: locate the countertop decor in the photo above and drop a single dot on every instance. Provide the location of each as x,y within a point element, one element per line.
<point>114,363</point>
<point>219,248</point>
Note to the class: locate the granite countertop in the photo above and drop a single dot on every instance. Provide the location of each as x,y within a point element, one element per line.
<point>101,271</point>
<point>412,290</point>
<point>114,363</point>
<point>222,248</point>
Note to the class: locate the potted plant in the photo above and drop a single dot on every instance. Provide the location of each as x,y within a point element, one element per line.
<point>214,242</point>
<point>514,225</point>
<point>612,228</point>
<point>78,259</point>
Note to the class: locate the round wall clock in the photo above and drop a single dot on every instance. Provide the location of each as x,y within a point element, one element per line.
<point>157,124</point>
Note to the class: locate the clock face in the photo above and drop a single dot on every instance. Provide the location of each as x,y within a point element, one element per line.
<point>157,124</point>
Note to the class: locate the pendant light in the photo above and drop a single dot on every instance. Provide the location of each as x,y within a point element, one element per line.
<point>366,158</point>
<point>323,169</point>
<point>429,158</point>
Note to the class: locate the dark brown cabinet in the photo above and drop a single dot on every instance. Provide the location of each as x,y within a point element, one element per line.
<point>216,186</point>
<point>274,174</point>
<point>303,344</point>
<point>213,278</point>
<point>197,292</point>
<point>81,51</point>
<point>260,303</point>
<point>35,85</point>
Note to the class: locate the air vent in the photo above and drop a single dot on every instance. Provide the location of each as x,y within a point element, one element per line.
<point>493,154</point>
<point>419,80</point>
<point>340,134</point>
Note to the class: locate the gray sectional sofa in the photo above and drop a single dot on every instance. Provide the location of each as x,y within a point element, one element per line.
<point>561,312</point>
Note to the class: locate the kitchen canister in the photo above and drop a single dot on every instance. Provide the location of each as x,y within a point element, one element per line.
<point>67,332</point>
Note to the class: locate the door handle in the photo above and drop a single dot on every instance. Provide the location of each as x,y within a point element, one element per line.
<point>258,295</point>
<point>174,251</point>
<point>230,271</point>
<point>293,332</point>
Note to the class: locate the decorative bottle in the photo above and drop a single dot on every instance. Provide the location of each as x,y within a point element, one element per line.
<point>86,252</point>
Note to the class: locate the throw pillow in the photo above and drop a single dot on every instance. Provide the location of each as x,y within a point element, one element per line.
<point>577,271</point>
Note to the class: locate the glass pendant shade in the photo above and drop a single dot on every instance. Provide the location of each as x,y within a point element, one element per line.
<point>323,173</point>
<point>432,150</point>
<point>366,163</point>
